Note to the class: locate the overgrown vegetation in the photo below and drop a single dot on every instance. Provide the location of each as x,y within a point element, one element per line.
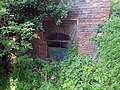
<point>107,69</point>
<point>19,18</point>
<point>38,74</point>
<point>74,72</point>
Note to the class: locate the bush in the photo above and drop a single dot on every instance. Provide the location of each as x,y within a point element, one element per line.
<point>109,42</point>
<point>106,71</point>
<point>115,7</point>
<point>107,75</point>
<point>29,74</point>
<point>73,72</point>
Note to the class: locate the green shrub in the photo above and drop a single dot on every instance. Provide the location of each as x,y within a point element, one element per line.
<point>74,71</point>
<point>106,71</point>
<point>4,83</point>
<point>29,74</point>
<point>107,75</point>
<point>115,7</point>
<point>109,42</point>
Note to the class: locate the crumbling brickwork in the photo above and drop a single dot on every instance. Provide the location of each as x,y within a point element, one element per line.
<point>83,19</point>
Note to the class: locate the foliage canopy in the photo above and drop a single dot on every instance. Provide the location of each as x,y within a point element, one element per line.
<point>20,17</point>
<point>74,72</point>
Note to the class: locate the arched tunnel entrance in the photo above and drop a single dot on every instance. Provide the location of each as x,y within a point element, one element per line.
<point>57,46</point>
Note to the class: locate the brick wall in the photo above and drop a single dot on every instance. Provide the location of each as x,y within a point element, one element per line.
<point>84,19</point>
<point>89,13</point>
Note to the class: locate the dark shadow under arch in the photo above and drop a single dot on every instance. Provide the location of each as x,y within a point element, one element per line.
<point>58,36</point>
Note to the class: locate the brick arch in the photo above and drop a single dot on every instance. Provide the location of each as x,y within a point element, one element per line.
<point>46,35</point>
<point>67,28</point>
<point>58,36</point>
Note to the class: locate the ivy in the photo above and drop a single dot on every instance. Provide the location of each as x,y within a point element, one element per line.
<point>38,10</point>
<point>16,36</point>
